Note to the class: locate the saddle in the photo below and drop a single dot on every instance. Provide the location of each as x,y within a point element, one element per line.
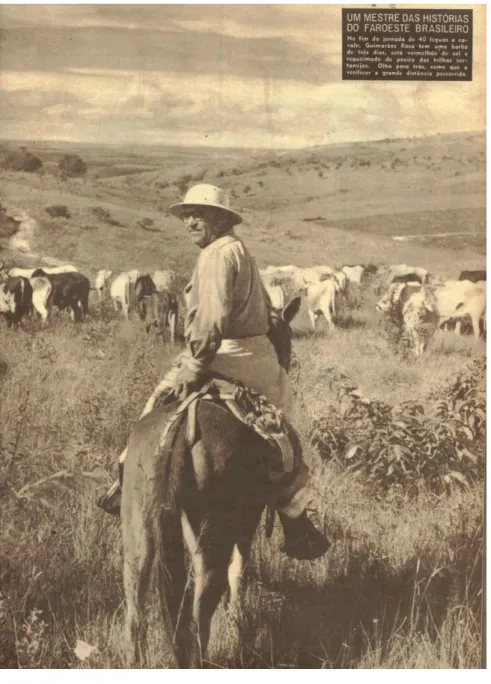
<point>250,408</point>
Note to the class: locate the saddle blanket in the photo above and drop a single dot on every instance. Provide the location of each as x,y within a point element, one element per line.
<point>251,408</point>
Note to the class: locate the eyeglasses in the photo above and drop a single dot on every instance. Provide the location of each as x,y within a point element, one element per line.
<point>195,215</point>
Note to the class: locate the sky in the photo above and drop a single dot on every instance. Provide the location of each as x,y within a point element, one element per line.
<point>261,76</point>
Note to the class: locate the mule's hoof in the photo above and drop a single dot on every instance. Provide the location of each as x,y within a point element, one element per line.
<point>306,548</point>
<point>110,502</point>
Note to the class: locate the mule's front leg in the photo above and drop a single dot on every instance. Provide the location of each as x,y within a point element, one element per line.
<point>235,577</point>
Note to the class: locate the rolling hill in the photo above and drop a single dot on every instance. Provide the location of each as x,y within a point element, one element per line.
<point>334,204</point>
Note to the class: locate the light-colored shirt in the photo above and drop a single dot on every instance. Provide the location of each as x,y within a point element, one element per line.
<point>225,299</point>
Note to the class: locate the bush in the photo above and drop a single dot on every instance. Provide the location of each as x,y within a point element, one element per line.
<point>198,177</point>
<point>247,188</point>
<point>58,211</point>
<point>182,183</point>
<point>406,448</point>
<point>145,223</point>
<point>105,216</point>
<point>8,225</point>
<point>22,160</point>
<point>72,166</point>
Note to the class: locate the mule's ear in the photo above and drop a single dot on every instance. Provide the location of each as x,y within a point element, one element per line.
<point>291,309</point>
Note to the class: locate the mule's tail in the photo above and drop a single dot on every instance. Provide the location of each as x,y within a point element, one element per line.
<point>169,546</point>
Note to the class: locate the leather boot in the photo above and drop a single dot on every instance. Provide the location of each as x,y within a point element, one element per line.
<point>302,540</point>
<point>110,502</point>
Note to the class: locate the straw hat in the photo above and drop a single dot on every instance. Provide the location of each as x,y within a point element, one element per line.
<point>204,195</point>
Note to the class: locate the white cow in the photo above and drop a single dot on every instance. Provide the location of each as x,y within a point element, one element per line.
<point>403,271</point>
<point>21,272</point>
<point>316,274</point>
<point>121,290</point>
<point>459,298</point>
<point>27,272</point>
<point>420,310</point>
<point>320,298</point>
<point>273,270</point>
<point>101,282</point>
<point>354,273</point>
<point>412,310</point>
<point>293,279</point>
<point>41,289</point>
<point>60,269</point>
<point>164,280</point>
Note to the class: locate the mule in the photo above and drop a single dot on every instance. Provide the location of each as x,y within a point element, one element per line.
<point>207,499</point>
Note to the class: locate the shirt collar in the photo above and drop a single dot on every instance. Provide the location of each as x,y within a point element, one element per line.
<point>224,239</point>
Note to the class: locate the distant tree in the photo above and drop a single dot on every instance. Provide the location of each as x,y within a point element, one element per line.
<point>72,166</point>
<point>58,211</point>
<point>104,216</point>
<point>181,185</point>
<point>22,160</point>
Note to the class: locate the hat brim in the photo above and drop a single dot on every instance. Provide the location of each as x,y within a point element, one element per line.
<point>177,209</point>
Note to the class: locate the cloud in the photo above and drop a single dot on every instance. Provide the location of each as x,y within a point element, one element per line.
<point>55,48</point>
<point>155,107</point>
<point>245,75</point>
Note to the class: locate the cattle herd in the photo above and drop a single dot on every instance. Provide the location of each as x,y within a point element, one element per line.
<point>417,302</point>
<point>34,291</point>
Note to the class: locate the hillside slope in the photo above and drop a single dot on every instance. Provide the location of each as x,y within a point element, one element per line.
<point>335,204</point>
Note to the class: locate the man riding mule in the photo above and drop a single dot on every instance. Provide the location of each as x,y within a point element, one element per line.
<point>226,330</point>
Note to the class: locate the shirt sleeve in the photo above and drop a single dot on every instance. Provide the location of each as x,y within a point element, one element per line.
<point>208,320</point>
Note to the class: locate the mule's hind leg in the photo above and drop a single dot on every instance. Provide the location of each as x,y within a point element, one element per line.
<point>210,562</point>
<point>241,554</point>
<point>174,594</point>
<point>138,557</point>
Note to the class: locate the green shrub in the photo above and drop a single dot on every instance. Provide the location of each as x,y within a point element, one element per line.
<point>408,448</point>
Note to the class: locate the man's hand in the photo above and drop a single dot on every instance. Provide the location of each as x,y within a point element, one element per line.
<point>187,381</point>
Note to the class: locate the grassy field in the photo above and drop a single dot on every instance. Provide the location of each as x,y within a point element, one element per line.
<point>402,585</point>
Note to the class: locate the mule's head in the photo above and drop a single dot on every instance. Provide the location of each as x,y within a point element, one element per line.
<point>280,334</point>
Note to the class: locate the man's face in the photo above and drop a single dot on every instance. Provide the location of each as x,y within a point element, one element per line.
<point>204,224</point>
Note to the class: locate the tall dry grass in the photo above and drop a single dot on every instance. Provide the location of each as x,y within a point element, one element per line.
<point>402,585</point>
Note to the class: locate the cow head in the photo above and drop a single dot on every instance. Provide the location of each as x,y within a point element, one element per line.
<point>391,299</point>
<point>133,276</point>
<point>340,281</point>
<point>7,301</point>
